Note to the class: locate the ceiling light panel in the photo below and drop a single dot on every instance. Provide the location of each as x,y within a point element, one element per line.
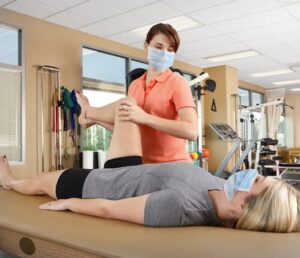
<point>287,82</point>
<point>232,56</point>
<point>272,73</point>
<point>179,23</point>
<point>295,89</point>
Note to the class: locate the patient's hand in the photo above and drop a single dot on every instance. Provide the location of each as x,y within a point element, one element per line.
<point>59,205</point>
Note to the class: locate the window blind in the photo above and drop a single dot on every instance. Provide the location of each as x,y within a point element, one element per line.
<point>10,114</point>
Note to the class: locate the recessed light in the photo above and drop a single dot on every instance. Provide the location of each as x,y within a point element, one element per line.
<point>286,82</point>
<point>179,23</point>
<point>295,89</point>
<point>271,73</point>
<point>232,56</point>
<point>182,23</point>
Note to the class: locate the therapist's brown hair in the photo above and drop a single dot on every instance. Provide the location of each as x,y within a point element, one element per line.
<point>167,30</point>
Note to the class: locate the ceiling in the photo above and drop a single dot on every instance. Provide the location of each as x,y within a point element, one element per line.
<point>270,27</point>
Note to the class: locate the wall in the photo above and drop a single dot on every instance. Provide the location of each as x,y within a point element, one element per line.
<point>253,87</point>
<point>51,44</point>
<point>227,85</point>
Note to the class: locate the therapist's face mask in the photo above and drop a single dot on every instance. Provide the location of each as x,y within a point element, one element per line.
<point>160,59</point>
<point>240,181</point>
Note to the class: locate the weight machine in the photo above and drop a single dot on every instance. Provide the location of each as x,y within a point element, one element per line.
<point>226,133</point>
<point>210,85</point>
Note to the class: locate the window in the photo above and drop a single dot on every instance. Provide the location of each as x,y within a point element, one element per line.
<point>281,135</point>
<point>250,98</point>
<point>11,127</point>
<point>104,78</point>
<point>256,98</point>
<point>103,66</point>
<point>137,64</point>
<point>97,137</point>
<point>244,97</point>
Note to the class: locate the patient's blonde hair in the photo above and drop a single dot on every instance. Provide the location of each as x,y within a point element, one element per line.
<point>274,210</point>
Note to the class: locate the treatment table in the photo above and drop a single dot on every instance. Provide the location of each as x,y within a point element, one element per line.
<point>26,231</point>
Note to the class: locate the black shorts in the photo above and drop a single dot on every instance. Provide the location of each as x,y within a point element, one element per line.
<point>71,181</point>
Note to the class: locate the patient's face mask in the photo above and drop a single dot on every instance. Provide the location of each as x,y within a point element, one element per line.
<point>240,181</point>
<point>160,59</point>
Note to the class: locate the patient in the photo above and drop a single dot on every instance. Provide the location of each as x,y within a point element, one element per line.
<point>162,195</point>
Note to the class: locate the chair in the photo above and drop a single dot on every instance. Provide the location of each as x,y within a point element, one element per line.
<point>133,75</point>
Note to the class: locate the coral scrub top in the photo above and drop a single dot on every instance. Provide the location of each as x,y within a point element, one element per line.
<point>162,97</point>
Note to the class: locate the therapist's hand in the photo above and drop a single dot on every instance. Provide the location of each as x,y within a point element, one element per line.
<point>129,111</point>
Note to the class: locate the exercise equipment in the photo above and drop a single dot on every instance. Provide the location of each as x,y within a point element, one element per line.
<point>48,79</point>
<point>209,85</point>
<point>261,137</point>
<point>26,231</point>
<point>226,133</point>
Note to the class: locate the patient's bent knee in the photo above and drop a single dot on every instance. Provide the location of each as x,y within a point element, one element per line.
<point>129,99</point>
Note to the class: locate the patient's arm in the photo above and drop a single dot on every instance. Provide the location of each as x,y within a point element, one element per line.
<point>86,123</point>
<point>130,209</point>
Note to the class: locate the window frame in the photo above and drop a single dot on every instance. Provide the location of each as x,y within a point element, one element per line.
<point>19,68</point>
<point>250,95</point>
<point>97,84</point>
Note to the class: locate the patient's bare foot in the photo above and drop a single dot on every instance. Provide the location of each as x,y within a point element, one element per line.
<point>82,100</point>
<point>83,121</point>
<point>5,172</point>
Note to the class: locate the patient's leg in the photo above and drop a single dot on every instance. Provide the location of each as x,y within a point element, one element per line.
<point>126,138</point>
<point>44,183</point>
<point>94,115</point>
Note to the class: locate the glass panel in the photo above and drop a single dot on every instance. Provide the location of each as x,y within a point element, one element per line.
<point>9,46</point>
<point>137,64</point>
<point>244,97</point>
<point>10,115</point>
<point>256,98</point>
<point>105,67</point>
<point>97,137</point>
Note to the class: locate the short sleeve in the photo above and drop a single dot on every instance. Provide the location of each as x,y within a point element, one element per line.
<point>182,96</point>
<point>164,209</point>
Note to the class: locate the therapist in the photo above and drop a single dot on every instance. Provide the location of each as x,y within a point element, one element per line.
<point>165,109</point>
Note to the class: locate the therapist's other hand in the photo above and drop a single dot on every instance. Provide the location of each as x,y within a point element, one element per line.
<point>129,111</point>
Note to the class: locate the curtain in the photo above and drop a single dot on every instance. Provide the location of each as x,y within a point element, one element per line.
<point>274,111</point>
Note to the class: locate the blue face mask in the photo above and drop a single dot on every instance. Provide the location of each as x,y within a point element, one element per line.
<point>240,181</point>
<point>160,59</point>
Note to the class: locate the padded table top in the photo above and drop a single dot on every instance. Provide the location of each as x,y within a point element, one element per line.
<point>111,238</point>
